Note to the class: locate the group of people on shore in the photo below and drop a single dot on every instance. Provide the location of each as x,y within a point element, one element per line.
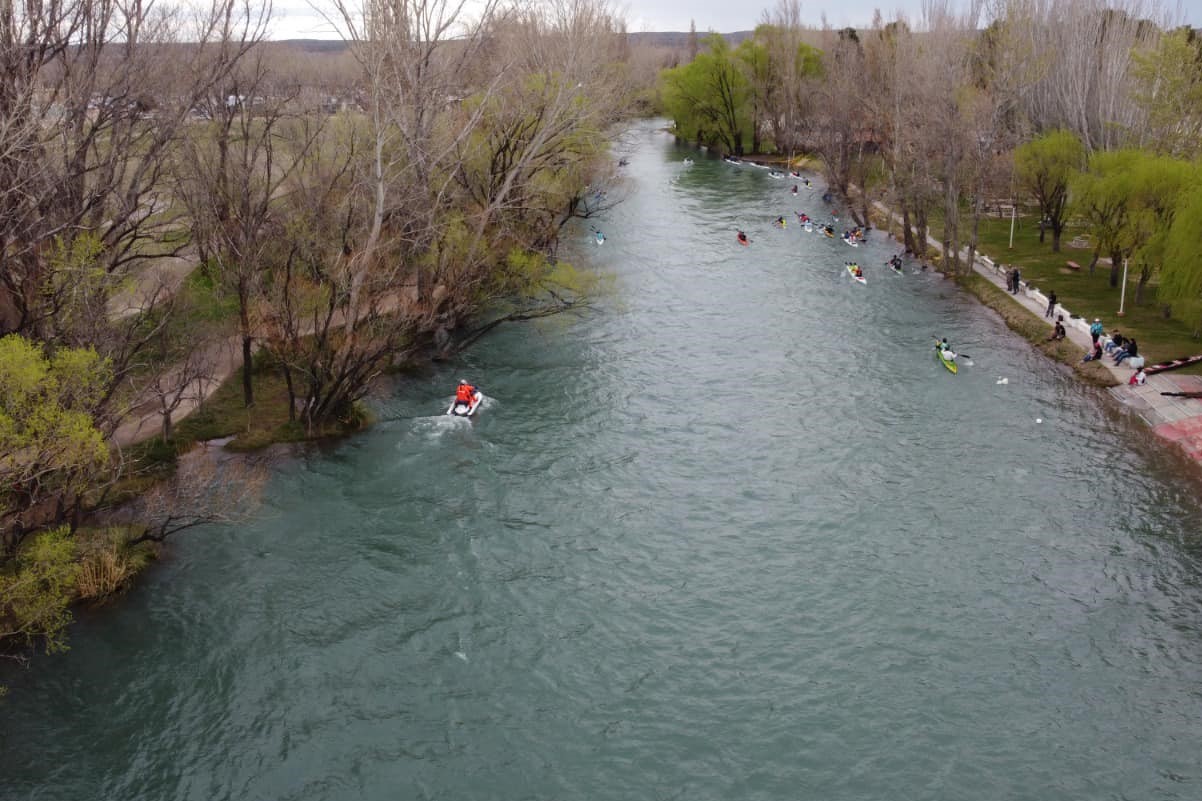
<point>1014,281</point>
<point>1118,346</point>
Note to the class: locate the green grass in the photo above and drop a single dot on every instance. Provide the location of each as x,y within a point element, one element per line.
<point>1088,295</point>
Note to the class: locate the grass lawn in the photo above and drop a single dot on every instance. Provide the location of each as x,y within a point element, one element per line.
<point>1088,295</point>
<point>224,415</point>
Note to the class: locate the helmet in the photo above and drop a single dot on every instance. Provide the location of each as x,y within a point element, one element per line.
<point>462,382</point>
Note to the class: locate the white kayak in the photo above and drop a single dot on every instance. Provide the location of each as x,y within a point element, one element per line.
<point>457,409</point>
<point>851,270</point>
<point>809,226</point>
<point>851,242</point>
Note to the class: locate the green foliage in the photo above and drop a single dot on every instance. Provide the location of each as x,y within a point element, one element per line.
<point>36,590</point>
<point>1100,196</point>
<point>808,62</point>
<point>1181,275</point>
<point>1045,166</point>
<point>709,98</point>
<point>50,448</point>
<point>1169,81</point>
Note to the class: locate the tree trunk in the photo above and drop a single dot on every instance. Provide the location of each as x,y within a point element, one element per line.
<point>167,426</point>
<point>1057,228</point>
<point>291,392</point>
<point>248,391</point>
<point>1097,254</point>
<point>1144,275</point>
<point>1116,260</point>
<point>921,233</point>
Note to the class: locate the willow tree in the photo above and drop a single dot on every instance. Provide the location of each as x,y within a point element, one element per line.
<point>1181,274</point>
<point>1044,167</point>
<point>709,98</point>
<point>1101,194</point>
<point>1158,184</point>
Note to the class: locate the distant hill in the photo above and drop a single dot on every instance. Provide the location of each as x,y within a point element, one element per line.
<point>680,39</point>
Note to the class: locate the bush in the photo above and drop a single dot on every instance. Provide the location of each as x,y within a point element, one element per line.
<point>107,564</point>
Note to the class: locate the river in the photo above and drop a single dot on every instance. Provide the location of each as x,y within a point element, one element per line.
<point>732,535</point>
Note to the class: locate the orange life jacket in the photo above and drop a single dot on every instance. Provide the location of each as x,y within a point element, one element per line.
<point>465,394</point>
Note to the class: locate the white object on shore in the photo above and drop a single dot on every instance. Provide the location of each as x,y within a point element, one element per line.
<point>1039,419</point>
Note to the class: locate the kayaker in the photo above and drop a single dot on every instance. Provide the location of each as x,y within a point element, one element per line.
<point>856,269</point>
<point>795,189</point>
<point>465,393</point>
<point>945,350</point>
<point>742,238</point>
<point>780,221</point>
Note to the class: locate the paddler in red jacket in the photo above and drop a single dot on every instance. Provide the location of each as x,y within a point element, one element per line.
<point>465,394</point>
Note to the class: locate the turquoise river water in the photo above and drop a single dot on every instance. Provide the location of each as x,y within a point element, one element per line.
<point>734,535</point>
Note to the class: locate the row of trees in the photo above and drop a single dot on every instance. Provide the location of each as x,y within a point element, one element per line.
<point>338,243</point>
<point>1140,206</point>
<point>927,116</point>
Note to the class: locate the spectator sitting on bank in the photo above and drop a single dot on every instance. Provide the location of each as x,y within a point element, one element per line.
<point>1095,354</point>
<point>1115,341</point>
<point>1129,349</point>
<point>1058,332</point>
<point>1139,377</point>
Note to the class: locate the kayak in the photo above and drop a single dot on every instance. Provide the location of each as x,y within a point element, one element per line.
<point>775,174</point>
<point>600,238</point>
<point>851,242</point>
<point>896,268</point>
<point>852,271</point>
<point>950,364</point>
<point>464,409</point>
<point>688,162</point>
<point>809,226</point>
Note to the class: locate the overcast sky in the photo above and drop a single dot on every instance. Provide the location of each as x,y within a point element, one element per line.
<point>297,19</point>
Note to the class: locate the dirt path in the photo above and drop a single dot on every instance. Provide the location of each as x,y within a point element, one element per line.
<point>159,276</point>
<point>145,421</point>
<point>222,358</point>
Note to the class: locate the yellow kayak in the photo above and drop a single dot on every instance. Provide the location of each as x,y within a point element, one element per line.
<point>950,364</point>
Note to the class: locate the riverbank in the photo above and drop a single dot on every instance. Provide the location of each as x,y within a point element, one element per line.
<point>1162,402</point>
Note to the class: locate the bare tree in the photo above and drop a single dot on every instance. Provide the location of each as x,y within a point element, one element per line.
<point>208,488</point>
<point>233,171</point>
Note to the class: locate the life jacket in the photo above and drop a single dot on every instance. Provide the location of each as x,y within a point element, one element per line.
<point>465,394</point>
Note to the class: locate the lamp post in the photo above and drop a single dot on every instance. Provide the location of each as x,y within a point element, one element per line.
<point>1123,291</point>
<point>1013,207</point>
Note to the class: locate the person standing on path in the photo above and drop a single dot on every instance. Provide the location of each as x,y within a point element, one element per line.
<point>1051,305</point>
<point>1095,330</point>
<point>1017,281</point>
